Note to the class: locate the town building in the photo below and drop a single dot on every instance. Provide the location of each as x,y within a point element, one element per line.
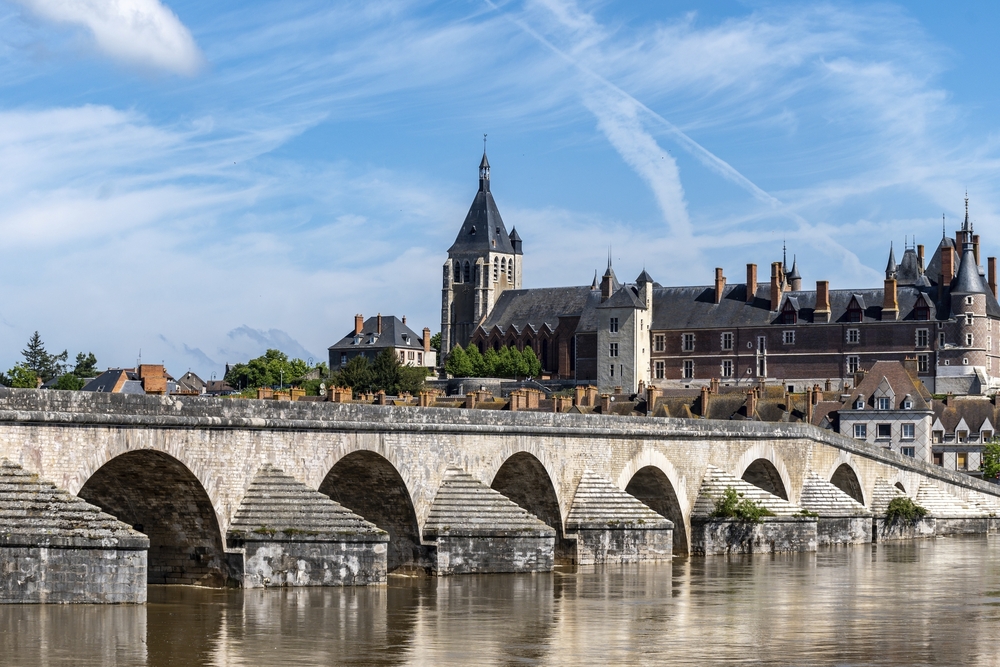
<point>372,336</point>
<point>147,379</point>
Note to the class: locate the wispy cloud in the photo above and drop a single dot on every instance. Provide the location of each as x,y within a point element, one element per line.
<point>142,33</point>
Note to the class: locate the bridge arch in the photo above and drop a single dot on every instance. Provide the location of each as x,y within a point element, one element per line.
<point>369,485</point>
<point>845,476</point>
<point>160,496</point>
<point>761,466</point>
<point>652,478</point>
<point>525,480</point>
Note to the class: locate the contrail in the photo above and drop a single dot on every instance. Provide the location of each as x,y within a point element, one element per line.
<point>703,155</point>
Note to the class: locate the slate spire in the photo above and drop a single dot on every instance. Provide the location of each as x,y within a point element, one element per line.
<point>891,267</point>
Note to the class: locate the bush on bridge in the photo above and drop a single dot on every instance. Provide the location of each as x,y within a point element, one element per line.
<point>733,505</point>
<point>903,510</point>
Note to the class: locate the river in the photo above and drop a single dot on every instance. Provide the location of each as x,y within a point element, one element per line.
<point>929,602</point>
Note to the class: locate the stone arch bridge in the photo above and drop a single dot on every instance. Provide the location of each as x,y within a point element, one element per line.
<point>178,468</point>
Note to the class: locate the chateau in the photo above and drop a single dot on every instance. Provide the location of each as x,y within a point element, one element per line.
<point>937,314</point>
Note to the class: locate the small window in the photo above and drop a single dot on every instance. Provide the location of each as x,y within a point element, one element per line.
<point>788,337</point>
<point>961,436</point>
<point>854,336</point>
<point>938,459</point>
<point>923,363</point>
<point>884,431</point>
<point>420,358</point>
<point>968,340</point>
<point>612,370</point>
<point>761,343</point>
<point>853,364</point>
<point>907,405</point>
<point>907,451</point>
<point>788,315</point>
<point>968,319</point>
<point>908,432</point>
<point>986,436</point>
<point>613,350</point>
<point>860,431</point>
<point>659,342</point>
<point>962,460</point>
<point>854,313</point>
<point>968,301</point>
<point>921,312</point>
<point>613,325</point>
<point>727,340</point>
<point>762,367</point>
<point>941,339</point>
<point>923,338</point>
<point>688,369</point>
<point>859,404</point>
<point>458,272</point>
<point>884,403</point>
<point>727,368</point>
<point>687,342</point>
<point>660,370</point>
<point>965,361</point>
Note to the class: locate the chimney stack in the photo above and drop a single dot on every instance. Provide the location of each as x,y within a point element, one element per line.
<point>947,266</point>
<point>379,325</point>
<point>920,257</point>
<point>776,280</point>
<point>992,274</point>
<point>720,284</point>
<point>975,247</point>
<point>359,323</point>
<point>704,402</point>
<point>821,313</point>
<point>427,340</point>
<point>751,282</point>
<point>404,319</point>
<point>890,304</point>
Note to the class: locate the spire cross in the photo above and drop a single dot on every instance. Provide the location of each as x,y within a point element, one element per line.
<point>484,142</point>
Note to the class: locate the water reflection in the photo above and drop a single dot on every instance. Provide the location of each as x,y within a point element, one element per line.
<point>925,602</point>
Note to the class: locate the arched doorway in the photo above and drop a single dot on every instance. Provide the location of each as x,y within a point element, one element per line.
<point>368,485</point>
<point>159,496</point>
<point>762,474</point>
<point>523,479</point>
<point>845,479</point>
<point>653,488</point>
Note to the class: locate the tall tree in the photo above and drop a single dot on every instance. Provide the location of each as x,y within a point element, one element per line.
<point>458,363</point>
<point>385,372</point>
<point>357,375</point>
<point>38,360</point>
<point>86,366</point>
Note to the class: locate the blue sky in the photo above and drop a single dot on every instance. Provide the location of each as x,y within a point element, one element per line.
<point>201,181</point>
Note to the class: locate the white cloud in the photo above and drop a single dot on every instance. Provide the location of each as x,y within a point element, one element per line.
<point>136,32</point>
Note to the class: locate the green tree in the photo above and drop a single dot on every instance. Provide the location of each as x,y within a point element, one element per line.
<point>44,365</point>
<point>458,364</point>
<point>69,382</point>
<point>412,378</point>
<point>385,372</point>
<point>268,370</point>
<point>357,375</point>
<point>436,343</point>
<point>491,363</point>
<point>991,459</point>
<point>86,366</point>
<point>510,362</point>
<point>22,377</point>
<point>476,360</point>
<point>532,366</point>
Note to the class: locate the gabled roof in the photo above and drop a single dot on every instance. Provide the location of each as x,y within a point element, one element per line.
<point>890,375</point>
<point>537,307</point>
<point>625,297</point>
<point>394,334</point>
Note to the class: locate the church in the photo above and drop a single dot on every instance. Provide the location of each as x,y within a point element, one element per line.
<point>935,317</point>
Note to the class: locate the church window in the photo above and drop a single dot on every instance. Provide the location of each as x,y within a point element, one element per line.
<point>923,338</point>
<point>687,342</point>
<point>727,368</point>
<point>688,369</point>
<point>510,272</point>
<point>727,340</point>
<point>613,325</point>
<point>503,266</point>
<point>496,269</point>
<point>613,350</point>
<point>659,342</point>
<point>853,335</point>
<point>458,272</point>
<point>468,272</point>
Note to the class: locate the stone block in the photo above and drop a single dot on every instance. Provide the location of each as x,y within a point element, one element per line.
<point>844,530</point>
<point>772,535</point>
<point>884,531</point>
<point>627,544</point>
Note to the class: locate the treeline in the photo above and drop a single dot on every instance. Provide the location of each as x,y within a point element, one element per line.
<point>385,373</point>
<point>40,364</point>
<point>507,362</point>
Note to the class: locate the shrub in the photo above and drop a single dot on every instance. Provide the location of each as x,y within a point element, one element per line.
<point>903,510</point>
<point>733,505</point>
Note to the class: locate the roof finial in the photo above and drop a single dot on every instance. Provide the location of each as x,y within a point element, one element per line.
<point>484,143</point>
<point>784,255</point>
<point>965,225</point>
<point>609,257</point>
<point>942,227</point>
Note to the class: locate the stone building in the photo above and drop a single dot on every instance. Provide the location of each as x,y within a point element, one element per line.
<point>369,337</point>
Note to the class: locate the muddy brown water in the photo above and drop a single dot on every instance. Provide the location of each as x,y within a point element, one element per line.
<point>931,602</point>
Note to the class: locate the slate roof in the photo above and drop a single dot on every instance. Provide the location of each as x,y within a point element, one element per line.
<point>974,410</point>
<point>934,266</point>
<point>394,334</point>
<point>536,307</point>
<point>968,280</point>
<point>908,271</point>
<point>483,229</point>
<point>625,297</point>
<point>899,380</point>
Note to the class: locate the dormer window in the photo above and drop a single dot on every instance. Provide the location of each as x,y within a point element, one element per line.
<point>789,314</point>
<point>884,403</point>
<point>854,313</point>
<point>921,312</point>
<point>357,340</point>
<point>859,404</point>
<point>473,230</point>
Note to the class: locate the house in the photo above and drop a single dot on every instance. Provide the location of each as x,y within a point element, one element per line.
<point>191,384</point>
<point>148,379</point>
<point>372,336</point>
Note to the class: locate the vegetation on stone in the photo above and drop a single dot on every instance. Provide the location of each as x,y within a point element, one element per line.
<point>733,505</point>
<point>903,510</point>
<point>507,362</point>
<point>991,459</point>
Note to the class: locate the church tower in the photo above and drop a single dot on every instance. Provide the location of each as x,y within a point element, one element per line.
<point>482,262</point>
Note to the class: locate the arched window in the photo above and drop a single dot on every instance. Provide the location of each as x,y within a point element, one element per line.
<point>496,269</point>
<point>458,272</point>
<point>468,271</point>
<point>510,272</point>
<point>503,266</point>
<point>477,273</point>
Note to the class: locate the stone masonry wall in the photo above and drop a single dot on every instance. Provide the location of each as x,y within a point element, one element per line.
<point>623,545</point>
<point>486,554</point>
<point>312,563</point>
<point>31,574</point>
<point>774,534</point>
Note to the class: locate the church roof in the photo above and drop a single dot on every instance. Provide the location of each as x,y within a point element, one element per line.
<point>536,307</point>
<point>483,229</point>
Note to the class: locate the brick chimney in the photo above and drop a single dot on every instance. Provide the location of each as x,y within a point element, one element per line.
<point>947,266</point>
<point>720,284</point>
<point>751,403</point>
<point>404,319</point>
<point>379,325</point>
<point>920,257</point>
<point>704,402</point>
<point>821,313</point>
<point>427,340</point>
<point>751,282</point>
<point>890,304</point>
<point>809,405</point>
<point>776,281</point>
<point>991,271</point>
<point>359,323</point>
<point>975,247</point>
